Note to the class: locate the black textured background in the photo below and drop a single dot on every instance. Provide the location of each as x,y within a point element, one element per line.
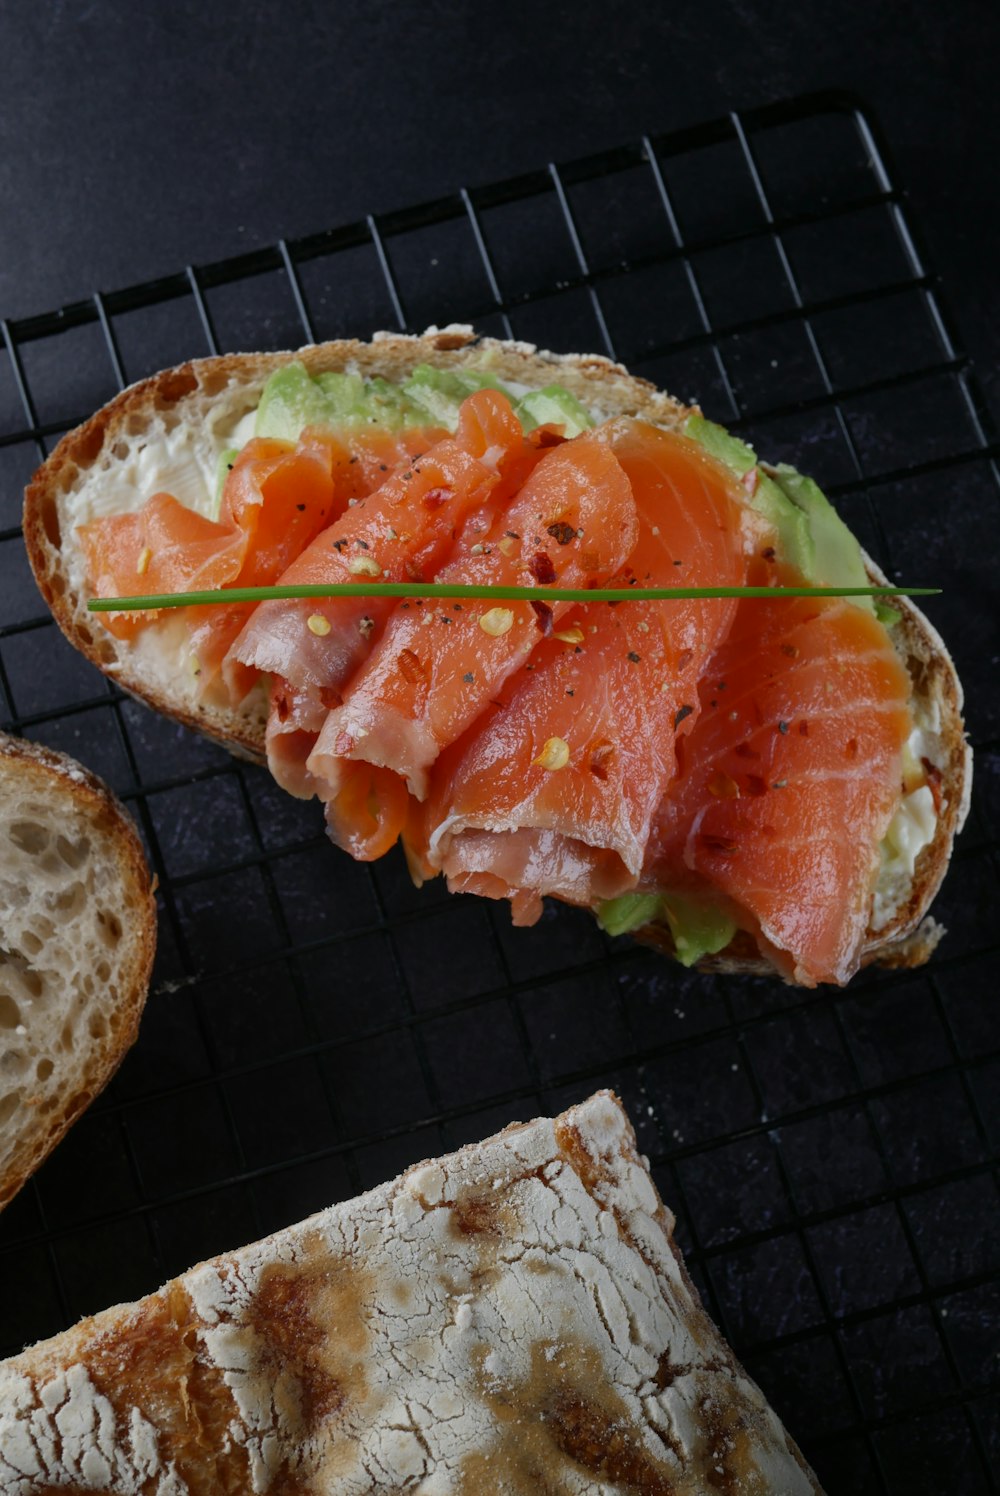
<point>315,1026</point>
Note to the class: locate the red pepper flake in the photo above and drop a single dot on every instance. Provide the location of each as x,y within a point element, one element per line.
<point>435,497</point>
<point>299,507</point>
<point>411,668</point>
<point>590,561</point>
<point>601,755</point>
<point>743,750</point>
<point>281,705</point>
<point>562,532</point>
<point>721,844</point>
<point>330,697</point>
<point>934,778</point>
<point>684,711</point>
<point>753,784</point>
<point>803,729</point>
<point>851,749</point>
<point>543,616</point>
<point>541,568</point>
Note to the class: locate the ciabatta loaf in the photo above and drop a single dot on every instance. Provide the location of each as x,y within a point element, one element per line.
<point>77,937</point>
<point>168,432</point>
<point>510,1320</point>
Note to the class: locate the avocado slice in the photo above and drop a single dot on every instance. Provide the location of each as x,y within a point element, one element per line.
<point>837,556</point>
<point>292,399</point>
<point>552,406</point>
<point>438,393</point>
<point>811,535</point>
<point>698,926</point>
<point>628,912</point>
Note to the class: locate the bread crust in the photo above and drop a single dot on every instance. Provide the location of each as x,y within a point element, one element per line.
<point>52,774</point>
<point>515,1317</point>
<point>599,384</point>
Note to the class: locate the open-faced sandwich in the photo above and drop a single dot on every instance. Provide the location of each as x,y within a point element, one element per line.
<point>513,1319</point>
<point>77,937</point>
<point>752,783</point>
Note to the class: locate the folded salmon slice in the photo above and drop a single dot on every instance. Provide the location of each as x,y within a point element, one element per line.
<point>572,524</point>
<point>403,531</point>
<point>790,778</point>
<point>276,498</point>
<point>555,790</point>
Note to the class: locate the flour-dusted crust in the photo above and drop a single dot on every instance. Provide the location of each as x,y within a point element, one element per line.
<point>212,395</point>
<point>77,939</point>
<point>512,1319</point>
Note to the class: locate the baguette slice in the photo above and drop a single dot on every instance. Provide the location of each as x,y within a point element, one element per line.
<point>515,1318</point>
<point>167,433</point>
<point>77,937</point>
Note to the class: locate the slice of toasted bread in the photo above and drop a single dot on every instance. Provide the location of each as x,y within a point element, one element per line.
<point>513,1318</point>
<point>169,431</point>
<point>77,937</point>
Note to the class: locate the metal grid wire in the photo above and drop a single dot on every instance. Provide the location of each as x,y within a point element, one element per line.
<point>315,1025</point>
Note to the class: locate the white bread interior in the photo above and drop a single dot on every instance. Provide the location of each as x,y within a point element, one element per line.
<point>77,937</point>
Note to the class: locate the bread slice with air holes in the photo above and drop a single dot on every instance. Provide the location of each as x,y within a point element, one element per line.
<point>510,1320</point>
<point>77,937</point>
<point>167,433</point>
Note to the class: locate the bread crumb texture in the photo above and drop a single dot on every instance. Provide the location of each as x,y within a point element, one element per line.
<point>514,1318</point>
<point>76,937</point>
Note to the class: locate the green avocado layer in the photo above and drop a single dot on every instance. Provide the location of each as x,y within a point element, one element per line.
<point>293,399</point>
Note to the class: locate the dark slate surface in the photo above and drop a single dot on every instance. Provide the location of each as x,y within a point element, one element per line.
<point>829,1156</point>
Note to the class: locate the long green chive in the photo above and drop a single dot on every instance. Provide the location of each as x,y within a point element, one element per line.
<point>484,594</point>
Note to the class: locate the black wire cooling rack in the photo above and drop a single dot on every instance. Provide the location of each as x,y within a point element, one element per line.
<point>315,1025</point>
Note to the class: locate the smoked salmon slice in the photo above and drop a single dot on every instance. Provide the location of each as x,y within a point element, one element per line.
<point>555,790</point>
<point>277,496</point>
<point>790,778</point>
<point>403,531</point>
<point>572,524</point>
